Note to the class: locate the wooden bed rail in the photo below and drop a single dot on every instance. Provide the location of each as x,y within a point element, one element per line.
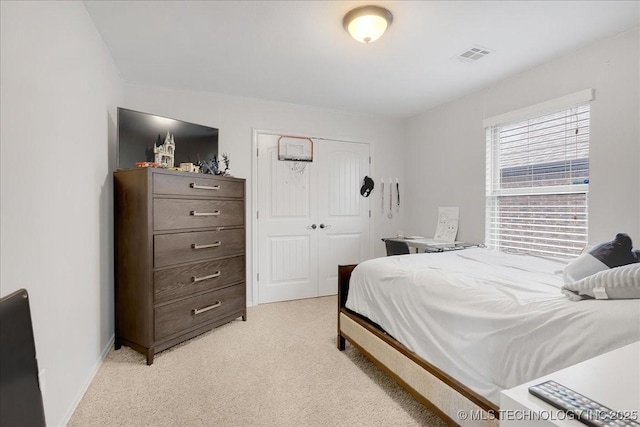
<point>344,274</point>
<point>443,394</point>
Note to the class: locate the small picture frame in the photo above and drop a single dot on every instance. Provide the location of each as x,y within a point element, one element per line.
<point>295,149</point>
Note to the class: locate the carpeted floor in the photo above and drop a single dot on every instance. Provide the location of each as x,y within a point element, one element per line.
<point>280,368</point>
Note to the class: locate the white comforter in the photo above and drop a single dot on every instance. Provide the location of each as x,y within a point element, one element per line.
<point>490,320</point>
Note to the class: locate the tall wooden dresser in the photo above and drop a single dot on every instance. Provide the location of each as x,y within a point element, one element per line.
<point>179,256</point>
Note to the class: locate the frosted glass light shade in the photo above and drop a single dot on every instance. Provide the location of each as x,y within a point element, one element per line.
<point>367,23</point>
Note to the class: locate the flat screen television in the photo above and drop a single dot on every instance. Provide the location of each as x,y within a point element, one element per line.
<point>139,133</point>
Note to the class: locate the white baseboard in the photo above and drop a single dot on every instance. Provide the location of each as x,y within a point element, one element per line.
<point>88,381</point>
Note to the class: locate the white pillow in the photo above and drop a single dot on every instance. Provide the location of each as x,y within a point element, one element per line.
<point>583,266</point>
<point>615,283</point>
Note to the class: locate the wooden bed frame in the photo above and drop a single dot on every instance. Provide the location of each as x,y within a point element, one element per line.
<point>454,402</point>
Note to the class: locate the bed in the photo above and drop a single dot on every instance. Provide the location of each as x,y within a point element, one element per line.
<point>456,328</point>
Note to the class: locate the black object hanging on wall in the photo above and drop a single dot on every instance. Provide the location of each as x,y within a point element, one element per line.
<point>367,186</point>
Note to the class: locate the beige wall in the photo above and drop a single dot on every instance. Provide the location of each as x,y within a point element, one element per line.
<point>446,145</point>
<point>59,91</point>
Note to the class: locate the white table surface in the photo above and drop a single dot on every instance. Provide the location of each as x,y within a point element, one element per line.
<point>424,243</point>
<point>611,379</point>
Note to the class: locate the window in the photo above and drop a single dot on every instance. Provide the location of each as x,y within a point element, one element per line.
<point>538,178</point>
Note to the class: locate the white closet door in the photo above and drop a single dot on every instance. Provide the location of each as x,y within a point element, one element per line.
<point>343,213</point>
<point>296,260</point>
<point>287,245</point>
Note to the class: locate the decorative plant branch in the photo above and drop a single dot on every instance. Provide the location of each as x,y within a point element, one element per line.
<point>225,160</point>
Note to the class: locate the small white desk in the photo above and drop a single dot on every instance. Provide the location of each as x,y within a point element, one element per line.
<point>429,245</point>
<point>611,379</point>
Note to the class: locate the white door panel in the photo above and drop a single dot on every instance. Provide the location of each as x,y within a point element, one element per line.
<point>294,259</point>
<point>289,270</point>
<point>342,209</point>
<point>288,248</point>
<point>341,249</point>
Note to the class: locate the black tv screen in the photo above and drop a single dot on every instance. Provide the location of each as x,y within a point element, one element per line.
<point>139,132</point>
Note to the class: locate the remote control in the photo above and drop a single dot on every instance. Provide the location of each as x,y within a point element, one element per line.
<point>584,409</point>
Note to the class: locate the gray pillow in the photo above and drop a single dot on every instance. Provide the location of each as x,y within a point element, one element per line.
<point>583,266</point>
<point>615,283</point>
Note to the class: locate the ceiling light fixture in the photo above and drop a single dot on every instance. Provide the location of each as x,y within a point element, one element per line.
<point>367,23</point>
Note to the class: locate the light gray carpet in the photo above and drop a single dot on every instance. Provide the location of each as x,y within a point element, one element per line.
<point>280,368</point>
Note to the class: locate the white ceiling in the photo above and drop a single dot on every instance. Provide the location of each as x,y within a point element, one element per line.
<point>298,52</point>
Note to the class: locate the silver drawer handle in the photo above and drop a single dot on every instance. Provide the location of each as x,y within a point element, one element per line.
<point>195,311</point>
<point>203,187</point>
<point>214,213</point>
<point>210,245</point>
<point>200,279</point>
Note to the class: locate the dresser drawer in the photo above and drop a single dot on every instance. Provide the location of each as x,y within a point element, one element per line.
<point>197,185</point>
<point>174,214</point>
<point>170,249</point>
<point>189,313</point>
<point>179,282</point>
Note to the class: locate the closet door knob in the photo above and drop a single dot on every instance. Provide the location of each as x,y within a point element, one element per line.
<point>312,227</point>
<point>325,226</point>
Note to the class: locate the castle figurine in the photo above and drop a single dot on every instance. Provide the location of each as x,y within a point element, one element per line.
<point>165,153</point>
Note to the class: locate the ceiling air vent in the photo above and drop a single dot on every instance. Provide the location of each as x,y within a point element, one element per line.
<point>473,54</point>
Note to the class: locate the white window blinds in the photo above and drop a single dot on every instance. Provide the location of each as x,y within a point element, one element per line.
<point>538,182</point>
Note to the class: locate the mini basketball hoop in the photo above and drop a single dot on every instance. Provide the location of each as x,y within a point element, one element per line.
<point>295,149</point>
<point>298,167</point>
